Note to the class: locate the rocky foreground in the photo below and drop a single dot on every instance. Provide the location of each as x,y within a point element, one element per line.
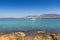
<point>38,35</point>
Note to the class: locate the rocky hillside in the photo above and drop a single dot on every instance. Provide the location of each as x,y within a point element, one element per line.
<point>38,35</point>
<point>45,16</point>
<point>50,16</point>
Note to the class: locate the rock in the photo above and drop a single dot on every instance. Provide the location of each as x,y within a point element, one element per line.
<point>39,35</point>
<point>28,38</point>
<point>8,37</point>
<point>12,36</point>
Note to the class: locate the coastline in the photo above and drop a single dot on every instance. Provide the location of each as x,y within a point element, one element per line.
<point>37,35</point>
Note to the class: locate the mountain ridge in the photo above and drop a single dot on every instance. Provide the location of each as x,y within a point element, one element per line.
<point>45,16</point>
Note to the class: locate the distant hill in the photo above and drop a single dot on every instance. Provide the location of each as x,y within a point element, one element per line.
<point>50,16</point>
<point>45,16</point>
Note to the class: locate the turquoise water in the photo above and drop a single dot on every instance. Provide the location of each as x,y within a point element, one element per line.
<point>11,24</point>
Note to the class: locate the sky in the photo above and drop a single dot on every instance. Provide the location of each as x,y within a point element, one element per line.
<point>20,8</point>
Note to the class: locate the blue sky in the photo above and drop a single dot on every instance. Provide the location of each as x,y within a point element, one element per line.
<point>19,8</point>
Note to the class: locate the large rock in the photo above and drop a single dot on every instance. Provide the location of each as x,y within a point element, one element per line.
<point>39,35</point>
<point>13,36</point>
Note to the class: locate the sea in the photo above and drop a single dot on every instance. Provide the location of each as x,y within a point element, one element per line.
<point>26,24</point>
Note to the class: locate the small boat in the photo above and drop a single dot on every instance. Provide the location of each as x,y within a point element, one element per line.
<point>33,19</point>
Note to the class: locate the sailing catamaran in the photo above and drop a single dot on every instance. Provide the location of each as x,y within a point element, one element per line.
<point>33,19</point>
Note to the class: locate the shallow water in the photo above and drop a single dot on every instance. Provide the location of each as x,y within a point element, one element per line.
<point>16,24</point>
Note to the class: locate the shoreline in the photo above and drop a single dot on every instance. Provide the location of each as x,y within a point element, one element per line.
<point>37,35</point>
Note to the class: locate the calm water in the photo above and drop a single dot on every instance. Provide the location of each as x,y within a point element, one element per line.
<point>11,25</point>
